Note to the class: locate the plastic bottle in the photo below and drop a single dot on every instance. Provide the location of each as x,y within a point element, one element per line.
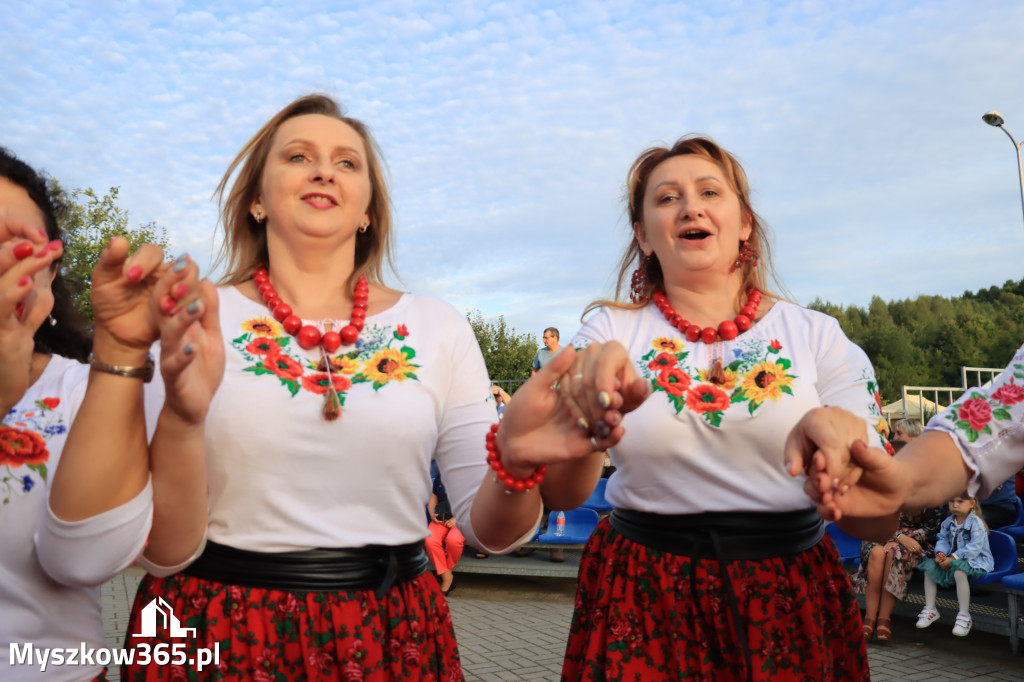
<point>560,524</point>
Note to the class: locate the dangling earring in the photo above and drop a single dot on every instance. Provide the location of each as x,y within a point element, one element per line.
<point>52,320</point>
<point>363,228</point>
<point>638,284</point>
<point>747,255</point>
<point>258,215</point>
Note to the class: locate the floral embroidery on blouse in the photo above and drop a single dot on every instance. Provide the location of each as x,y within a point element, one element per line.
<point>23,443</point>
<point>757,374</point>
<point>974,413</point>
<point>875,409</point>
<point>380,357</point>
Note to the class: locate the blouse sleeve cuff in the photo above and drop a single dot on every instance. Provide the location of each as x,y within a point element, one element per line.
<point>158,571</point>
<point>92,551</point>
<point>526,537</point>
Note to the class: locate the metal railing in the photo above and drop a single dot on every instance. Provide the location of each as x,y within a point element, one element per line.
<point>918,405</point>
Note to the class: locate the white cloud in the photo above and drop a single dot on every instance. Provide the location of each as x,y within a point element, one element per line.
<point>508,127</point>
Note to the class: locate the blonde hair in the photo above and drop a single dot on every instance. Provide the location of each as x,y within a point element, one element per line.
<point>636,186</point>
<point>245,241</point>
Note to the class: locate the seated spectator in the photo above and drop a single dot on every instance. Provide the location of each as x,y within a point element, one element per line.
<point>905,430</point>
<point>445,543</point>
<point>1000,508</point>
<point>885,569</point>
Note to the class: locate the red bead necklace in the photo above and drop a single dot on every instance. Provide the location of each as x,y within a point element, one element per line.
<point>727,330</point>
<point>309,336</point>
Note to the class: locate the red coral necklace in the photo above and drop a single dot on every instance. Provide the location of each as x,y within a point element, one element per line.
<point>727,329</point>
<point>309,337</point>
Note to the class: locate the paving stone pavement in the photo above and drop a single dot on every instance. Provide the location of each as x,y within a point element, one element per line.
<point>513,628</point>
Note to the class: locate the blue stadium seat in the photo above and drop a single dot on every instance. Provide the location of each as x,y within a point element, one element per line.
<point>1004,552</point>
<point>579,524</point>
<point>1016,529</point>
<point>596,500</point>
<point>848,546</point>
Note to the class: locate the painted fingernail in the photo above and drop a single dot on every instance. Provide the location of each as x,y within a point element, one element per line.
<point>180,264</point>
<point>842,491</point>
<point>193,308</point>
<point>807,471</point>
<point>42,233</point>
<point>24,281</point>
<point>166,304</point>
<point>602,430</point>
<point>179,291</point>
<point>134,273</point>
<point>23,250</point>
<point>604,400</point>
<point>55,245</point>
<point>583,424</point>
<point>835,484</point>
<point>43,254</point>
<point>188,349</point>
<point>19,310</point>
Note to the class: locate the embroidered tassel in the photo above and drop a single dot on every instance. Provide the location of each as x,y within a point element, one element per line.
<point>717,373</point>
<point>332,405</point>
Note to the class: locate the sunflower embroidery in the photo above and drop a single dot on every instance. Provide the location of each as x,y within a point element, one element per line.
<point>269,351</point>
<point>263,326</point>
<point>758,373</point>
<point>388,364</point>
<point>765,381</point>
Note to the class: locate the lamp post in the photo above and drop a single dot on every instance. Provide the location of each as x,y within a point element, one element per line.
<point>993,118</point>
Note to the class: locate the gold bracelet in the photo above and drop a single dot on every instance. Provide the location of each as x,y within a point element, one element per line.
<point>145,372</point>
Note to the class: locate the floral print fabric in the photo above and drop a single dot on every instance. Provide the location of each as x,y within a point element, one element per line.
<point>275,635</point>
<point>647,615</point>
<point>23,443</point>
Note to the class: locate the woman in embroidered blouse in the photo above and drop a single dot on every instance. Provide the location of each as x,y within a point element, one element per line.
<point>712,565</point>
<point>292,539</point>
<point>55,555</point>
<point>974,445</point>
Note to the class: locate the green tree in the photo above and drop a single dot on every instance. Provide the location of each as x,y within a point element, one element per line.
<point>507,353</point>
<point>90,223</point>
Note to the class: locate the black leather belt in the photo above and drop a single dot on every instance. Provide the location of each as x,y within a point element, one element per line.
<point>725,536</point>
<point>374,567</point>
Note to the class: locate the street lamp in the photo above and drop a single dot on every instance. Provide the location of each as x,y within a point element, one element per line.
<point>994,119</point>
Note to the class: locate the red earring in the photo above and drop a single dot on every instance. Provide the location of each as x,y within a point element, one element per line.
<point>747,255</point>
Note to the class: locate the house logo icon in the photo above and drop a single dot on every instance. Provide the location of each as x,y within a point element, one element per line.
<point>159,610</point>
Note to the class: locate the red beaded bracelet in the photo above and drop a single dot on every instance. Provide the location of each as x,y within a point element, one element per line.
<point>510,482</point>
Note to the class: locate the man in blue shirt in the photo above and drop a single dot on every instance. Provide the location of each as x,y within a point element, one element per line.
<point>545,354</point>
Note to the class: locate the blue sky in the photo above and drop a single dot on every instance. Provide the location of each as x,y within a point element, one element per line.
<point>508,127</point>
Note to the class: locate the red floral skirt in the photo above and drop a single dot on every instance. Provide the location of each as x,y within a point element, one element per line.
<point>268,635</point>
<point>642,614</point>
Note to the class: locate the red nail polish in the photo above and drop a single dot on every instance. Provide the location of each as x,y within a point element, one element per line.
<point>42,233</point>
<point>19,309</point>
<point>23,250</point>
<point>134,273</point>
<point>55,245</point>
<point>180,291</point>
<point>167,304</point>
<point>42,254</point>
<point>23,281</point>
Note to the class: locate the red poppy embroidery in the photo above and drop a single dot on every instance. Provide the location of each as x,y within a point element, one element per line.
<point>318,383</point>
<point>263,345</point>
<point>662,361</point>
<point>775,346</point>
<point>18,447</point>
<point>283,366</point>
<point>673,381</point>
<point>50,403</point>
<point>707,398</point>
